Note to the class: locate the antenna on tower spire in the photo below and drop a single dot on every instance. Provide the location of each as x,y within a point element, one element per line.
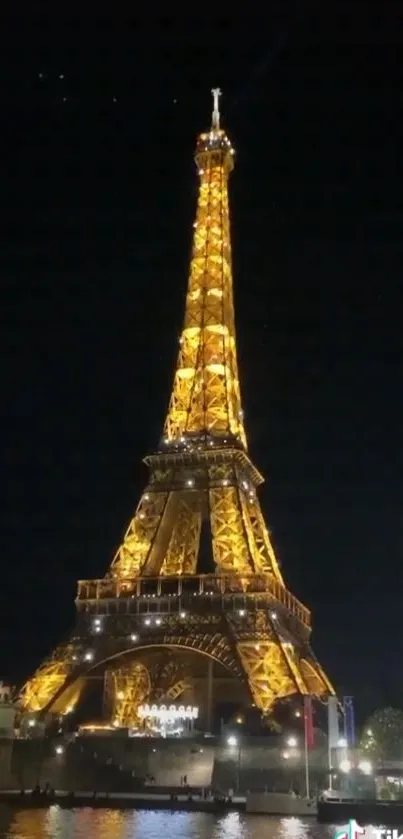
<point>215,123</point>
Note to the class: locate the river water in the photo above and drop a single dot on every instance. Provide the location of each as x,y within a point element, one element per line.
<point>85,823</point>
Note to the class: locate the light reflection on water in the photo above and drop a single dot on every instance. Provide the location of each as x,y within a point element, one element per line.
<point>85,823</point>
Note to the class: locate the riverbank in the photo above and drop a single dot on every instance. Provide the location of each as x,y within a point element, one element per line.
<point>123,800</point>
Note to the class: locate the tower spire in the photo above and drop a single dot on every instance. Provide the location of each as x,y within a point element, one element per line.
<point>215,122</point>
<point>206,401</point>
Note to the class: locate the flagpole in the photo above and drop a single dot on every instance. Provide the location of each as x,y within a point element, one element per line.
<point>333,733</point>
<point>306,765</point>
<point>306,752</point>
<point>329,743</point>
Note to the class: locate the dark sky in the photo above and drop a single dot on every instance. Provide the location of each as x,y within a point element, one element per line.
<point>97,203</point>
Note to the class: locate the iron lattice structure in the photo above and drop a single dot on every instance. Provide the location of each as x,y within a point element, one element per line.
<point>242,616</point>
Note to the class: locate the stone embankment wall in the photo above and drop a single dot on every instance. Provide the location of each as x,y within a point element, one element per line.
<point>108,763</point>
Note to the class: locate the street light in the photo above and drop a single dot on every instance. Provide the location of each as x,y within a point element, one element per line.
<point>59,750</point>
<point>233,742</point>
<point>342,743</point>
<point>345,766</point>
<point>292,742</point>
<point>366,767</point>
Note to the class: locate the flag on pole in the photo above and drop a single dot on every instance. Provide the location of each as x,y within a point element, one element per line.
<point>308,722</point>
<point>349,722</point>
<point>333,722</point>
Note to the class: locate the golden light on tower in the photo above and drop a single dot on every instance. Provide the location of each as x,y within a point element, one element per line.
<point>206,393</point>
<point>153,601</point>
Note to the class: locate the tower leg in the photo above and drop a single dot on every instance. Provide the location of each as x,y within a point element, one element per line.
<point>108,697</point>
<point>268,673</point>
<point>45,684</point>
<point>130,687</point>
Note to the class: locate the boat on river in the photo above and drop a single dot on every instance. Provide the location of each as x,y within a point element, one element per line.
<point>280,804</point>
<point>363,811</point>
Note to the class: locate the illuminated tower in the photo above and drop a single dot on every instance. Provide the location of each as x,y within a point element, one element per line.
<point>155,628</point>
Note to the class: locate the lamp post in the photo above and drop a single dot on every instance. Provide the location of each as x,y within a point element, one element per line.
<point>291,753</point>
<point>342,745</point>
<point>365,767</point>
<point>233,742</point>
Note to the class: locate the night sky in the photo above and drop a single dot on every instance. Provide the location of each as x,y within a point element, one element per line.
<point>98,190</point>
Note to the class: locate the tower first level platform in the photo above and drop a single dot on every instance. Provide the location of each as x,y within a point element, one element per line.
<point>156,628</point>
<point>252,628</point>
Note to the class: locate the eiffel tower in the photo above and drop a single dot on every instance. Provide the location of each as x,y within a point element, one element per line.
<point>155,628</point>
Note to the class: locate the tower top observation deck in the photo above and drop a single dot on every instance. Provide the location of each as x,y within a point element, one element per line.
<point>213,141</point>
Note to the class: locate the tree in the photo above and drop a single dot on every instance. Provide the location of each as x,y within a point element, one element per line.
<point>382,737</point>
